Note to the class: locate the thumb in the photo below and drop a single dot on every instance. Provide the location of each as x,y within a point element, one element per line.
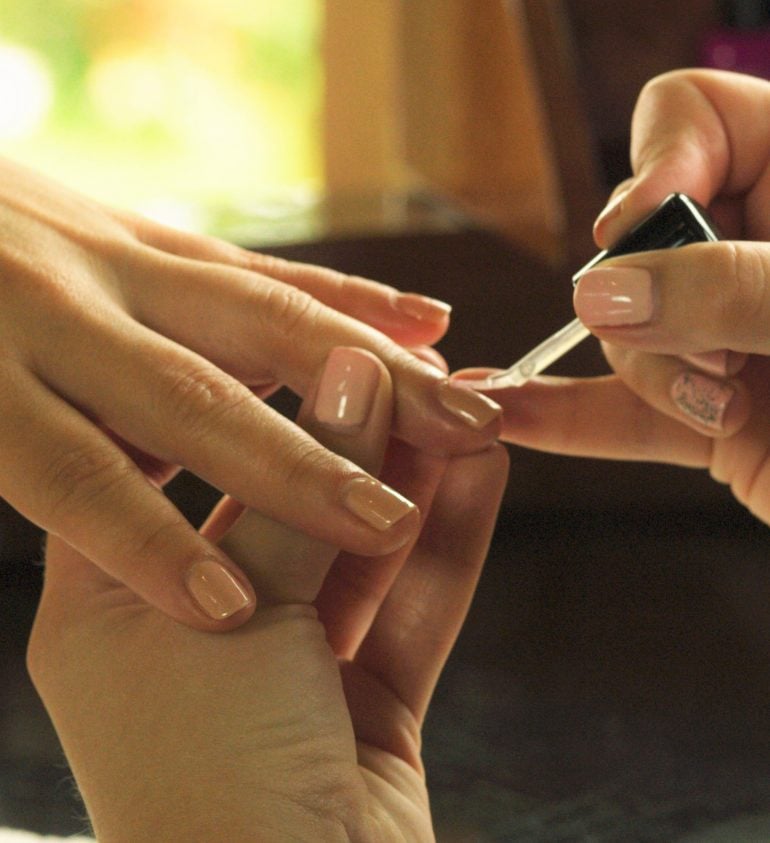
<point>693,131</point>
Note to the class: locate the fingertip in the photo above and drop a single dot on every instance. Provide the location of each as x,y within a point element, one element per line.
<point>715,407</point>
<point>738,412</point>
<point>429,355</point>
<point>474,409</point>
<point>392,519</point>
<point>398,536</point>
<point>470,376</point>
<point>608,225</point>
<point>422,308</point>
<point>219,594</point>
<point>723,363</point>
<point>349,407</point>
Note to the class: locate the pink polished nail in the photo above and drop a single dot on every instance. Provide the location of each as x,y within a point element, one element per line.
<point>375,503</point>
<point>720,363</point>
<point>614,296</point>
<point>702,398</point>
<point>421,308</point>
<point>475,409</point>
<point>346,389</point>
<point>216,590</point>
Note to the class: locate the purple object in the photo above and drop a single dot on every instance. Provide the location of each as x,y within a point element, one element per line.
<point>741,50</point>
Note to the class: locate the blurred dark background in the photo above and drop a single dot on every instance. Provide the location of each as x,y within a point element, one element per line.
<point>612,682</point>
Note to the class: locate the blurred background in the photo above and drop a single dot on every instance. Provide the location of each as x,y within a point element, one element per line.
<point>209,112</point>
<point>612,681</point>
<point>188,110</point>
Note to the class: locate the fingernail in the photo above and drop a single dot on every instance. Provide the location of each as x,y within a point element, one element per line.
<point>374,502</point>
<point>421,308</point>
<point>702,398</point>
<point>216,590</point>
<point>346,389</point>
<point>612,211</point>
<point>475,409</point>
<point>613,296</point>
<point>713,362</point>
<point>722,363</point>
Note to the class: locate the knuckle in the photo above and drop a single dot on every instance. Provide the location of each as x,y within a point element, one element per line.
<point>289,308</point>
<point>266,264</point>
<point>305,460</point>
<point>163,542</point>
<point>198,396</point>
<point>346,287</point>
<point>45,286</point>
<point>78,479</point>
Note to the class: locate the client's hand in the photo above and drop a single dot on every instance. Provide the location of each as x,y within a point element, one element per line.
<point>303,724</point>
<point>116,327</point>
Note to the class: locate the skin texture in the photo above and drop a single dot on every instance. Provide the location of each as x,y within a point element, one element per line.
<point>120,335</point>
<point>304,723</point>
<point>706,134</point>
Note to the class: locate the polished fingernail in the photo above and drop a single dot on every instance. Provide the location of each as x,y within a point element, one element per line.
<point>614,296</point>
<point>613,209</point>
<point>712,362</point>
<point>723,364</point>
<point>216,590</point>
<point>346,389</point>
<point>702,399</point>
<point>422,308</point>
<point>374,502</point>
<point>475,409</point>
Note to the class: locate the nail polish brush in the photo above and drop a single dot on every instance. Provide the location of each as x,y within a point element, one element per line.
<point>677,221</point>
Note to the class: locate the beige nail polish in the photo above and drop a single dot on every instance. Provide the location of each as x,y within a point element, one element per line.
<point>702,398</point>
<point>216,590</point>
<point>346,390</point>
<point>475,409</point>
<point>374,502</point>
<point>421,308</point>
<point>614,296</point>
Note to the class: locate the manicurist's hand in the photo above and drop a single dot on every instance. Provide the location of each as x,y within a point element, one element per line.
<point>687,331</point>
<point>304,723</point>
<point>118,334</point>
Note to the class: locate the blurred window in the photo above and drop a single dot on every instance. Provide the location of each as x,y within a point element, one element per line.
<point>197,112</point>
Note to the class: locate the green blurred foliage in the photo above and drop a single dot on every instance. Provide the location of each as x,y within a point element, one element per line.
<point>222,123</point>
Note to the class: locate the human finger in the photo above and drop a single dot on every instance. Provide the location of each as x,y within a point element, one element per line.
<point>429,355</point>
<point>699,298</point>
<point>270,331</point>
<point>409,318</point>
<point>356,586</point>
<point>183,410</point>
<point>721,363</point>
<point>349,410</point>
<point>714,406</point>
<point>62,472</point>
<point>593,417</point>
<point>419,620</point>
<point>703,133</point>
